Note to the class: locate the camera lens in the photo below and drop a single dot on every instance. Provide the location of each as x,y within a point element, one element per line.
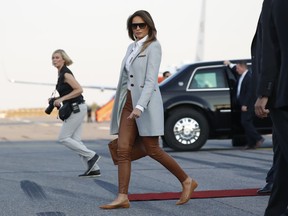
<point>50,108</point>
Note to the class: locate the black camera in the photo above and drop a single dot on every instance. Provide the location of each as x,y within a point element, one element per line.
<point>50,108</point>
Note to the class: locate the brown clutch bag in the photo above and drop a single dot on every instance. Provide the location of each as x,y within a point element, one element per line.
<point>138,150</point>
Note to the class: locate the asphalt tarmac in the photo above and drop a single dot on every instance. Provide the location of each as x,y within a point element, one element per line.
<point>39,177</point>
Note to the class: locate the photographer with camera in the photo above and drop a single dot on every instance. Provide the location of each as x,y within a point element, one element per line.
<point>73,102</point>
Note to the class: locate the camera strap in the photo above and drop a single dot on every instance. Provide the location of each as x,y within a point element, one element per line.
<point>53,94</point>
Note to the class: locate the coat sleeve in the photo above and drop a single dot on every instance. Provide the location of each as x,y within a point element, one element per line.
<point>269,52</point>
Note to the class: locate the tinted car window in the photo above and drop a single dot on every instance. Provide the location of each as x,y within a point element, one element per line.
<point>208,78</point>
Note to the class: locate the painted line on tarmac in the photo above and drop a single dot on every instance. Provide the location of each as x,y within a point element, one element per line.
<point>196,195</point>
<point>49,125</point>
<point>104,128</point>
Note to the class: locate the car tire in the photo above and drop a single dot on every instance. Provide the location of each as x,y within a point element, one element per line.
<point>164,143</point>
<point>186,129</point>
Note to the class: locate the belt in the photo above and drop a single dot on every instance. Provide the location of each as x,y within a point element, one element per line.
<point>80,102</point>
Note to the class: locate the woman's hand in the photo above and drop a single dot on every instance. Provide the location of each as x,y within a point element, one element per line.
<point>57,102</point>
<point>135,114</point>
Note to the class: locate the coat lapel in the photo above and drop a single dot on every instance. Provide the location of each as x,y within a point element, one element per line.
<point>138,53</point>
<point>129,50</point>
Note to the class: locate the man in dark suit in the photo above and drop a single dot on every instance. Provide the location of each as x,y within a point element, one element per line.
<point>256,49</point>
<point>245,100</point>
<point>272,92</point>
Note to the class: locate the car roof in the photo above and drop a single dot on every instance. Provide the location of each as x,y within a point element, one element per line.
<point>183,68</point>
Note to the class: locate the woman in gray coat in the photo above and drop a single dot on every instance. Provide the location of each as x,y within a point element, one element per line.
<point>138,108</point>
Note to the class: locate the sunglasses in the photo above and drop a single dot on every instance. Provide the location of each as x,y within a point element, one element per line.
<point>140,25</point>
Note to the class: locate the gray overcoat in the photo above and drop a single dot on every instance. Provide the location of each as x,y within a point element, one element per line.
<point>143,75</point>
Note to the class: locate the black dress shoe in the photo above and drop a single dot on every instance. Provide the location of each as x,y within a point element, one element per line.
<point>266,189</point>
<point>259,142</point>
<point>91,174</point>
<point>247,147</point>
<point>92,162</point>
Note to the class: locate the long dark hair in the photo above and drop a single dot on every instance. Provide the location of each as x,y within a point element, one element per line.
<point>150,24</point>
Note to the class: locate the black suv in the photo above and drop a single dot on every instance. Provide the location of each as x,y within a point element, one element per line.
<point>198,105</point>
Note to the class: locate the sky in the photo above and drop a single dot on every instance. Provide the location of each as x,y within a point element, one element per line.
<point>94,35</point>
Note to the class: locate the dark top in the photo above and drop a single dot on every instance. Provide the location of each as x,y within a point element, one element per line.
<point>256,56</point>
<point>273,79</point>
<point>247,96</point>
<point>64,88</point>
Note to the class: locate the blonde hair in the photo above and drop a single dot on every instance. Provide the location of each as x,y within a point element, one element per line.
<point>66,58</point>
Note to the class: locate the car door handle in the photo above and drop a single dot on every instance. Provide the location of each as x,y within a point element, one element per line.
<point>225,110</point>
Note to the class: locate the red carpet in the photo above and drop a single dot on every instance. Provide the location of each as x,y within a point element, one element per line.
<point>196,194</point>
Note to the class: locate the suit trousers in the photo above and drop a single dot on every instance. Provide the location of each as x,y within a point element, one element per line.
<point>271,172</point>
<point>70,134</point>
<point>128,133</point>
<point>250,131</point>
<point>278,201</point>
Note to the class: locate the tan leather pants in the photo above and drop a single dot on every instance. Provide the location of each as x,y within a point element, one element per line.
<point>128,133</point>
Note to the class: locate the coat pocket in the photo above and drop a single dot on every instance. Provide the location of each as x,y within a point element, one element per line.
<point>141,56</point>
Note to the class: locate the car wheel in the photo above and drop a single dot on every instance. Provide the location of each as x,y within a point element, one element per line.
<point>186,129</point>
